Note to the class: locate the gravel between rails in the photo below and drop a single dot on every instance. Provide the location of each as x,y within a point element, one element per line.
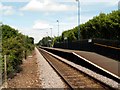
<point>48,76</point>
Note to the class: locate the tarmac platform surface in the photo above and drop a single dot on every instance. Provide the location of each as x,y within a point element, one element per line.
<point>106,63</point>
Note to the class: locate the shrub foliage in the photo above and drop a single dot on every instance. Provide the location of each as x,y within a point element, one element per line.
<point>15,46</point>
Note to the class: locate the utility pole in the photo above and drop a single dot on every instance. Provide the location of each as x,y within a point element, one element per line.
<point>47,34</point>
<point>51,32</point>
<point>119,5</point>
<point>1,54</point>
<point>78,19</point>
<point>58,27</point>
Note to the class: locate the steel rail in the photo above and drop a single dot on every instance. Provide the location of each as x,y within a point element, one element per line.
<point>71,87</point>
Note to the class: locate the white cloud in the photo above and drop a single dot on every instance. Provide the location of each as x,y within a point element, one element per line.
<point>98,0</point>
<point>85,0</point>
<point>58,5</point>
<point>6,10</point>
<point>74,19</point>
<point>14,27</point>
<point>91,2</point>
<point>21,14</point>
<point>85,19</point>
<point>9,10</point>
<point>47,5</point>
<point>41,25</point>
<point>15,0</point>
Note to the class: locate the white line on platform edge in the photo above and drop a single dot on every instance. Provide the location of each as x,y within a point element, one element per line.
<point>96,65</point>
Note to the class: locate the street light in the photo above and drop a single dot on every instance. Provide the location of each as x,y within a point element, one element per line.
<point>119,5</point>
<point>78,19</point>
<point>51,32</point>
<point>47,34</point>
<point>58,27</point>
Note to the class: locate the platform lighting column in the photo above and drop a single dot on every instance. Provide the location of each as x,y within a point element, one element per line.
<point>78,19</point>
<point>58,27</point>
<point>51,32</point>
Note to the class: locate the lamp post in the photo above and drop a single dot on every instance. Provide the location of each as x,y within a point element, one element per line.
<point>119,5</point>
<point>78,19</point>
<point>51,32</point>
<point>58,27</point>
<point>46,34</point>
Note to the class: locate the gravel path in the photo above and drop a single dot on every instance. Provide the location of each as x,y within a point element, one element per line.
<point>28,77</point>
<point>48,76</point>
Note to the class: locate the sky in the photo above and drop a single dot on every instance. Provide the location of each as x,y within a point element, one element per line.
<point>35,18</point>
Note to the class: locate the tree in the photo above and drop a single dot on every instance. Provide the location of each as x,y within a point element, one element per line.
<point>103,26</point>
<point>14,44</point>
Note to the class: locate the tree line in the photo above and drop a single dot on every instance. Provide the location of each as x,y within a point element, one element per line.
<point>15,46</point>
<point>103,26</point>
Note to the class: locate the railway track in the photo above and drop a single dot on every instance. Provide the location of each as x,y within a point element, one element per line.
<point>73,77</point>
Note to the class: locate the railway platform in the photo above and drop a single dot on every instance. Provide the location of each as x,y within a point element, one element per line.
<point>108,65</point>
<point>101,61</point>
<point>54,56</point>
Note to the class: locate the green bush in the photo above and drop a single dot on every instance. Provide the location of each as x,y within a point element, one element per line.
<point>14,45</point>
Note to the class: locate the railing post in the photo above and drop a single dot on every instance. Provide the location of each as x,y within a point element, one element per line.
<point>5,70</point>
